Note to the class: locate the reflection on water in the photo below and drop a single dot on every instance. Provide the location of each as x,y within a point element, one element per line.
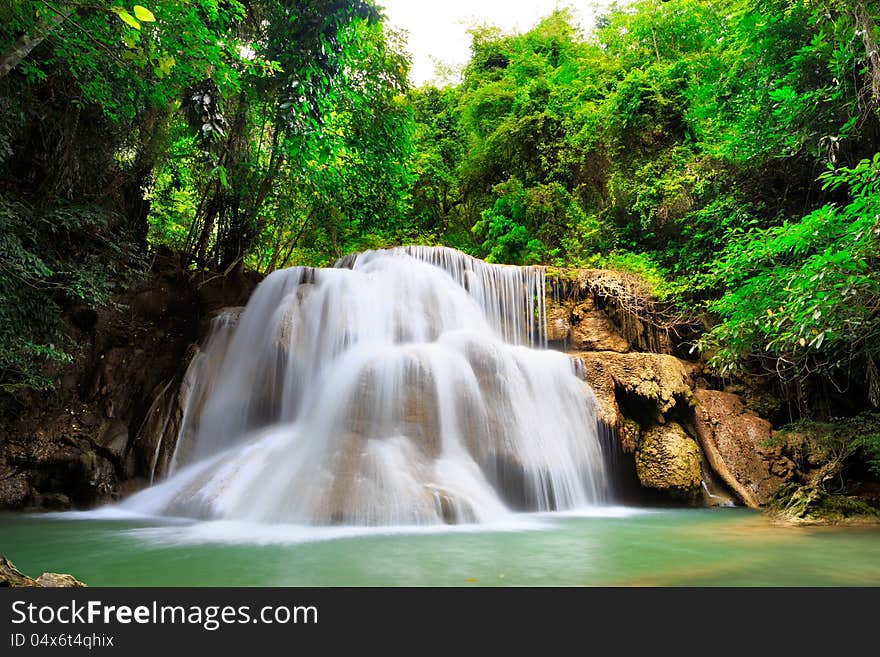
<point>596,547</point>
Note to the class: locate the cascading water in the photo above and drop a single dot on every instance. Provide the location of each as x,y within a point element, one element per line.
<point>400,387</point>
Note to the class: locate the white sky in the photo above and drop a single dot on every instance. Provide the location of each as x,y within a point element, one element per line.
<point>438,28</point>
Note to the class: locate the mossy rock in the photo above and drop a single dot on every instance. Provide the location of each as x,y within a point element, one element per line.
<point>668,460</point>
<point>811,505</point>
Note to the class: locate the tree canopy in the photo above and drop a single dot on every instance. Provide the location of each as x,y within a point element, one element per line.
<point>726,149</point>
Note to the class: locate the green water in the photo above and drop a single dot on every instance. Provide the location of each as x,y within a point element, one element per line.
<point>721,547</point>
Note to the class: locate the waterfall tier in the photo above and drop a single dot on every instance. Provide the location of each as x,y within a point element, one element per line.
<point>399,387</point>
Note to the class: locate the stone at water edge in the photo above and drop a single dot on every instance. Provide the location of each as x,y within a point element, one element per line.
<point>59,580</point>
<point>810,505</point>
<point>10,576</point>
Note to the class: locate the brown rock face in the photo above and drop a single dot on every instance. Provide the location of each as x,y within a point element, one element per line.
<point>558,324</point>
<point>15,489</point>
<point>628,433</point>
<point>80,443</point>
<point>581,326</point>
<point>593,330</point>
<point>735,442</point>
<point>667,459</point>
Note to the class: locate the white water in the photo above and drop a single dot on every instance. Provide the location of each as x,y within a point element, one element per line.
<point>400,388</point>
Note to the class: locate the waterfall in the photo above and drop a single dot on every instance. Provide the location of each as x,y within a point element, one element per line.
<point>402,386</point>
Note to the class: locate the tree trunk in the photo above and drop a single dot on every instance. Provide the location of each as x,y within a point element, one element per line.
<point>26,43</point>
<point>866,25</point>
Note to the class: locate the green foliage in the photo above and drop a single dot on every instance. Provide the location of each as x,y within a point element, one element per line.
<point>48,261</point>
<point>236,132</point>
<point>679,140</point>
<point>805,295</point>
<point>507,238</point>
<point>783,80</point>
<point>305,159</point>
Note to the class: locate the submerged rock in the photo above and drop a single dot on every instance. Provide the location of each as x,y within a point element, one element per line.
<point>10,576</point>
<point>667,459</point>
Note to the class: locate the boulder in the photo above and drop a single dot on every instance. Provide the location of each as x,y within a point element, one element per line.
<point>810,505</point>
<point>10,576</point>
<point>668,460</point>
<point>609,310</point>
<point>736,442</point>
<point>582,326</point>
<point>59,580</point>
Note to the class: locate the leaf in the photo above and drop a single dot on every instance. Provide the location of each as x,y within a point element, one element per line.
<point>221,175</point>
<point>144,14</point>
<point>126,18</point>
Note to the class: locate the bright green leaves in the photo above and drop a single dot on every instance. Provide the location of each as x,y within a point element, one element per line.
<point>304,156</point>
<point>163,65</point>
<point>141,14</point>
<point>804,295</point>
<point>126,18</point>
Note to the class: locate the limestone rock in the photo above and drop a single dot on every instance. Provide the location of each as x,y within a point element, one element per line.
<point>558,324</point>
<point>582,326</point>
<point>616,311</point>
<point>628,433</point>
<point>593,330</point>
<point>657,382</point>
<point>12,576</point>
<point>735,442</point>
<point>667,459</point>
<point>59,580</point>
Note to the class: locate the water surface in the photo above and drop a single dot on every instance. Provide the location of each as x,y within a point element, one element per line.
<point>608,547</point>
